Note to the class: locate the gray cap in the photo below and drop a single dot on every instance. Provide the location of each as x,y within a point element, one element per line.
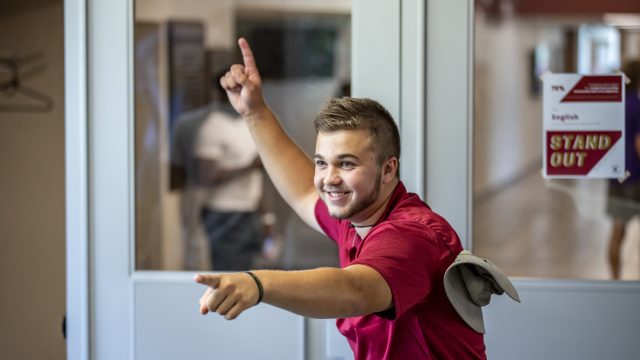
<point>469,283</point>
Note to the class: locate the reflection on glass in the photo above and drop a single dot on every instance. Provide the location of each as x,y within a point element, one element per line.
<point>202,200</point>
<point>531,227</point>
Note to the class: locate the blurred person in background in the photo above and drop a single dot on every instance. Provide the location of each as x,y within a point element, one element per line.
<point>220,164</point>
<point>624,197</point>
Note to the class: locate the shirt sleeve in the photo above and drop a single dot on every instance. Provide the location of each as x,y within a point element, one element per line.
<point>329,225</point>
<point>635,116</point>
<point>407,257</point>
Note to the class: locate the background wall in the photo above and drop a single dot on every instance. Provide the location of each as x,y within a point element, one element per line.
<point>32,237</point>
<point>507,124</point>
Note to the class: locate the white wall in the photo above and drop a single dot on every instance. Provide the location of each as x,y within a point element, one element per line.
<point>32,235</point>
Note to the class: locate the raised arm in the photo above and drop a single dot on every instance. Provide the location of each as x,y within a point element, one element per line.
<point>289,168</point>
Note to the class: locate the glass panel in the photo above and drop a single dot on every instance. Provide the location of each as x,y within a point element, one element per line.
<point>549,228</point>
<point>203,201</point>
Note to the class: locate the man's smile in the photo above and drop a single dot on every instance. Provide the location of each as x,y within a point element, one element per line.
<point>336,195</point>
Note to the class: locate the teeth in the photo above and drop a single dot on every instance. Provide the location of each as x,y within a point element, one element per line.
<point>334,194</point>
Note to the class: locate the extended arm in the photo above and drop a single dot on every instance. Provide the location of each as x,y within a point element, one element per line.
<point>319,293</point>
<point>289,168</point>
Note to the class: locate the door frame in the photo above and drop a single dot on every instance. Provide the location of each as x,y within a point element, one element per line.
<point>76,180</point>
<point>99,130</point>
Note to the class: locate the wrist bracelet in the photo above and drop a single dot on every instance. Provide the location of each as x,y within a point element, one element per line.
<point>259,284</point>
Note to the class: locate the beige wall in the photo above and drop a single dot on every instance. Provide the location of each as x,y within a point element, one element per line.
<point>32,242</point>
<point>507,119</point>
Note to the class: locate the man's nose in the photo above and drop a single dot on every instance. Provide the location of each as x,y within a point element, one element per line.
<point>332,176</point>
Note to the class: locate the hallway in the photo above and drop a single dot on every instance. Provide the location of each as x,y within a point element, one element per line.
<point>551,229</point>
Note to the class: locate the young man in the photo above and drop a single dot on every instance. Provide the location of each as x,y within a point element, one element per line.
<point>388,295</point>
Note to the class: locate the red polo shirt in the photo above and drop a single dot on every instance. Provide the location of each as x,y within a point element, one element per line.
<point>411,247</point>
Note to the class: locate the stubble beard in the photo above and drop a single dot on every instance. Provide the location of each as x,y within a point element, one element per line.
<point>355,208</point>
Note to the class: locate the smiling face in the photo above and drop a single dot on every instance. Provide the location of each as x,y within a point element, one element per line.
<point>347,175</point>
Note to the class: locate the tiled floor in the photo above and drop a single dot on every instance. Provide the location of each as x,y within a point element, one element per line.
<point>551,229</point>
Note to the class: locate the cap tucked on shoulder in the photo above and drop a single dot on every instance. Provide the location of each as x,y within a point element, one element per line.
<point>469,283</point>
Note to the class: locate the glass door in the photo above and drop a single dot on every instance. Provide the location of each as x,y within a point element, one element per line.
<point>483,146</point>
<point>150,66</point>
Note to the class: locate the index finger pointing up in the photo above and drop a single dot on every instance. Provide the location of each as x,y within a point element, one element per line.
<point>247,56</point>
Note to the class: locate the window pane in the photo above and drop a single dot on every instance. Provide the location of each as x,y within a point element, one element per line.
<point>203,200</point>
<point>530,226</point>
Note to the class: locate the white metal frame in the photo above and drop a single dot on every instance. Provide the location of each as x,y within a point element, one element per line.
<point>449,100</point>
<point>394,75</point>
<point>76,180</point>
<point>401,89</point>
<point>412,95</point>
<point>110,150</point>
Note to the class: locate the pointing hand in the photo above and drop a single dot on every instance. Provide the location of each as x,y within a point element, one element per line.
<point>243,84</point>
<point>227,294</point>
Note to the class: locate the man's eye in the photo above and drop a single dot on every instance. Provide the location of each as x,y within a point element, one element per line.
<point>347,164</point>
<point>320,163</point>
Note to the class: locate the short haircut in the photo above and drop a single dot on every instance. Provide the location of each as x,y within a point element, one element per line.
<point>349,113</point>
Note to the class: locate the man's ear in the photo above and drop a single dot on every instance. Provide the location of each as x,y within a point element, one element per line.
<point>389,169</point>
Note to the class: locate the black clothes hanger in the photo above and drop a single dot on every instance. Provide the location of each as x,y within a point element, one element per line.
<point>13,93</point>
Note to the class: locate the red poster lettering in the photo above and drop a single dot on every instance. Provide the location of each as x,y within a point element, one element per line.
<point>596,89</point>
<point>577,152</point>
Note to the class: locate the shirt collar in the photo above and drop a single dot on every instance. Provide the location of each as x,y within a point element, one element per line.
<point>396,196</point>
